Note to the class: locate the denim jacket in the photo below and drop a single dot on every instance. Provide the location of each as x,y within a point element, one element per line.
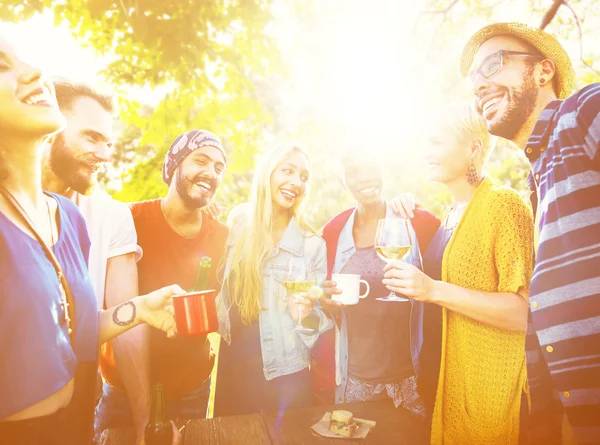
<point>284,351</point>
<point>345,249</point>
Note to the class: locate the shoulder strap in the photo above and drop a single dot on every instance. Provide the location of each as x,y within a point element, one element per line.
<point>64,285</point>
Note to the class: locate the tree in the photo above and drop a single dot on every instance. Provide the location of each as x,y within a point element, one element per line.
<point>203,53</point>
<point>256,73</point>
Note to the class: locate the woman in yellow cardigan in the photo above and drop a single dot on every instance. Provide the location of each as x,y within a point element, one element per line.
<point>483,253</point>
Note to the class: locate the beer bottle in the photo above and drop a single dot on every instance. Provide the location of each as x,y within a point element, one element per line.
<point>159,430</point>
<point>201,281</point>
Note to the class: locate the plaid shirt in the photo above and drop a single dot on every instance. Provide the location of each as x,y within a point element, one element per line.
<point>564,358</point>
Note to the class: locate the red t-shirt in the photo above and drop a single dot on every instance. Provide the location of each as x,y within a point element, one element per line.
<point>181,364</point>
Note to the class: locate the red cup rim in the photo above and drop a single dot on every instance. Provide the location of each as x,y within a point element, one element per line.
<point>200,292</point>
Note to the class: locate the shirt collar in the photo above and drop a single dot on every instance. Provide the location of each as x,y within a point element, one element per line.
<point>538,141</point>
<point>346,238</point>
<point>293,238</point>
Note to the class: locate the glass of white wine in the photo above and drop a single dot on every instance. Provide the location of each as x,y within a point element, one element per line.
<point>299,279</point>
<point>393,242</point>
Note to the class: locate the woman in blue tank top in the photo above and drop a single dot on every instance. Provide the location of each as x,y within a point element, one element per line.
<point>45,369</point>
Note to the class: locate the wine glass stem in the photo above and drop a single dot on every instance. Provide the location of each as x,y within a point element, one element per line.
<point>392,293</point>
<point>299,324</point>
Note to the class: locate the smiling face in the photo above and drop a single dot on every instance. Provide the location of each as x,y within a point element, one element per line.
<point>199,175</point>
<point>447,155</point>
<point>288,180</point>
<point>457,136</point>
<point>363,177</point>
<point>28,107</point>
<point>506,99</point>
<point>83,148</point>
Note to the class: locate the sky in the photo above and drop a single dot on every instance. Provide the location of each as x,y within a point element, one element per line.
<point>361,64</point>
<point>370,27</point>
<point>53,48</point>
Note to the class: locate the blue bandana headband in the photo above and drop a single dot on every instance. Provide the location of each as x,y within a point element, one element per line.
<point>184,145</point>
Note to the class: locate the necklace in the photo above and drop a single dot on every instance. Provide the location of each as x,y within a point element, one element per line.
<point>51,226</point>
<point>63,295</point>
<point>47,250</point>
<point>456,206</point>
<point>456,212</point>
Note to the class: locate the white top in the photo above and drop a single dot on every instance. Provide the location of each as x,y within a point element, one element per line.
<point>112,233</point>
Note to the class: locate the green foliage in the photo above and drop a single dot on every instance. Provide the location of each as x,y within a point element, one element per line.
<point>203,53</point>
<point>218,64</point>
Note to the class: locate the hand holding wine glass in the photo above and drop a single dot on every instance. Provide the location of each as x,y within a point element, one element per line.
<point>299,279</point>
<point>393,242</point>
<point>403,277</point>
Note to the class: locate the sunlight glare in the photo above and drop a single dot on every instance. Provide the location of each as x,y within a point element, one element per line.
<point>361,69</point>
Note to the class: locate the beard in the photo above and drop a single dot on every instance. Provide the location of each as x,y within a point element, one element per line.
<point>521,103</point>
<point>67,168</point>
<point>183,185</point>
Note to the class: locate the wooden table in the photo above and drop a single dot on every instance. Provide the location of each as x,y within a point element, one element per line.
<point>234,430</point>
<point>394,426</point>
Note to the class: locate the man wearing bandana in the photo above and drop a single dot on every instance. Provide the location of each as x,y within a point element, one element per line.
<point>174,234</point>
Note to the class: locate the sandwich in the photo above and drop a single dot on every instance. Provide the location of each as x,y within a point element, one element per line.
<point>342,423</point>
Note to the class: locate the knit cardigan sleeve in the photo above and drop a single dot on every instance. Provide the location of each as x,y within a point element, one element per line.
<point>513,246</point>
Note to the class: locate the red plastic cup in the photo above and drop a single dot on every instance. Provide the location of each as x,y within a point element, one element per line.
<point>195,313</point>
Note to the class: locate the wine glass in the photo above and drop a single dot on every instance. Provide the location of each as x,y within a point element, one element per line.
<point>393,242</point>
<point>299,278</point>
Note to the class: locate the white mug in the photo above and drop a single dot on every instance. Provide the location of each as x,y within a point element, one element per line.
<point>349,284</point>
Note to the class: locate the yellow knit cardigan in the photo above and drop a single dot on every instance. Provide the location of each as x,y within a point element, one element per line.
<point>483,371</point>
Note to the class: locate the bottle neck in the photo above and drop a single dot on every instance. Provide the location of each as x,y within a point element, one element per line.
<point>158,409</point>
<point>201,281</point>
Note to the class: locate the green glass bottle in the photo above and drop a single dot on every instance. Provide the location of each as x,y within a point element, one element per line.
<point>159,430</point>
<point>201,281</point>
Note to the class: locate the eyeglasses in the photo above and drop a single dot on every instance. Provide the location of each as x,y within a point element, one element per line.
<point>494,63</point>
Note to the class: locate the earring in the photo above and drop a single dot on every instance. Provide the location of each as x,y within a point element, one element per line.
<point>542,81</point>
<point>471,174</point>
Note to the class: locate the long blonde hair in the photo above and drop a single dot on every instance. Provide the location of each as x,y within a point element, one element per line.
<point>253,240</point>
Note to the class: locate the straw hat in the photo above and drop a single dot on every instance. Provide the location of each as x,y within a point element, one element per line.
<point>547,45</point>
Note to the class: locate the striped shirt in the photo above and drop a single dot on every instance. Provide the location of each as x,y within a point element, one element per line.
<point>564,365</point>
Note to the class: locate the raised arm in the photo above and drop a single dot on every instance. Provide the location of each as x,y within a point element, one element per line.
<point>155,309</point>
<point>513,256</point>
<point>130,349</point>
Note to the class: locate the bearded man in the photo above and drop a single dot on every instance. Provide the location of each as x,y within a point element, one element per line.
<point>71,165</point>
<point>175,234</point>
<point>521,79</point>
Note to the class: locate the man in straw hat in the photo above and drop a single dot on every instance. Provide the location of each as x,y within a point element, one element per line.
<point>521,78</point>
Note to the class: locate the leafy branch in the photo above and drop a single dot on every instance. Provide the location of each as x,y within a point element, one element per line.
<point>581,58</point>
<point>549,16</point>
<point>444,11</point>
<point>551,13</point>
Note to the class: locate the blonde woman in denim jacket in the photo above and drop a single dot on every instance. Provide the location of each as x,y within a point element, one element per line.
<point>264,364</point>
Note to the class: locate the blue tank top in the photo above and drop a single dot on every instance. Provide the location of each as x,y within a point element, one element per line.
<point>36,353</point>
